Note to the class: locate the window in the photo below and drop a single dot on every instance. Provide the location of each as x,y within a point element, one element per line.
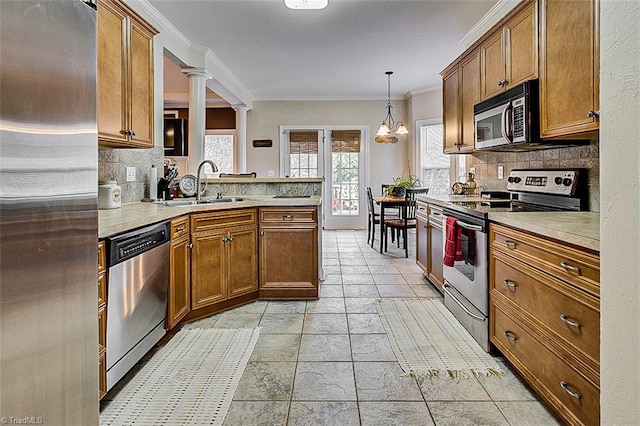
<point>303,154</point>
<point>345,177</point>
<point>436,166</point>
<point>219,148</point>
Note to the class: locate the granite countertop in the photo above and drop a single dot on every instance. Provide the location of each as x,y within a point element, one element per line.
<point>579,228</point>
<point>134,215</point>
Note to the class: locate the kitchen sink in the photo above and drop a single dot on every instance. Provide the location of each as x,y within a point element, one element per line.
<point>182,203</point>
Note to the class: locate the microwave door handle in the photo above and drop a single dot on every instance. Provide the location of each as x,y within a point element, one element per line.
<point>509,122</point>
<point>505,127</point>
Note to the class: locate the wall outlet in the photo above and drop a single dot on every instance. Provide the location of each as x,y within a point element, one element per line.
<point>472,170</point>
<point>131,174</point>
<point>500,172</point>
<point>271,173</point>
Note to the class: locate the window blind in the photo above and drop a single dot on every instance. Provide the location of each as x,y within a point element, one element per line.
<point>345,141</point>
<point>303,142</point>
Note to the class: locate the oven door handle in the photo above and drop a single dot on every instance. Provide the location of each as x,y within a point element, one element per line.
<point>459,303</point>
<point>469,226</point>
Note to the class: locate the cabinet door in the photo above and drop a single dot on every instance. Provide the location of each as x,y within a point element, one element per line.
<point>111,80</point>
<point>493,60</point>
<point>208,284</point>
<point>243,261</point>
<point>469,96</point>
<point>451,113</point>
<point>521,49</point>
<point>421,245</point>
<point>436,252</point>
<point>140,104</point>
<point>179,297</point>
<point>289,257</point>
<point>569,68</point>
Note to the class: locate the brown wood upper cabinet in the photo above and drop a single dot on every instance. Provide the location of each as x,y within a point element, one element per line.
<point>510,54</point>
<point>461,91</point>
<point>569,69</point>
<point>125,77</point>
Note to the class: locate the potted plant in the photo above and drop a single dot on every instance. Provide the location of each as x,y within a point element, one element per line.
<point>402,182</point>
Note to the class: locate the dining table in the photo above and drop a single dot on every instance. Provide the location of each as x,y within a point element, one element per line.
<point>386,201</point>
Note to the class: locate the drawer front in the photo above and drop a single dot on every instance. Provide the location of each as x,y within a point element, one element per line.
<point>222,219</point>
<point>179,227</point>
<point>102,289</point>
<point>567,312</point>
<point>102,257</point>
<point>436,216</point>
<point>422,211</point>
<point>571,264</point>
<point>287,215</point>
<point>102,328</point>
<point>551,376</point>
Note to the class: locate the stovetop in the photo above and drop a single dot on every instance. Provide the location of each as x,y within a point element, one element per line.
<point>530,190</point>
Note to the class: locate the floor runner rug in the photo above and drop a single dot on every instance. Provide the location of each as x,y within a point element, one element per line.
<point>189,381</point>
<point>429,341</point>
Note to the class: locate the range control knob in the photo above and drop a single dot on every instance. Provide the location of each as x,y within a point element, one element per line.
<point>517,179</point>
<point>567,182</point>
<point>558,180</point>
<point>510,179</point>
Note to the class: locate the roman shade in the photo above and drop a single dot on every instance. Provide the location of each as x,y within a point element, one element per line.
<point>345,141</point>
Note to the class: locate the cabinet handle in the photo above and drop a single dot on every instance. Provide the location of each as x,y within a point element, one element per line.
<point>230,239</point>
<point>565,319</point>
<point>261,233</point>
<point>570,268</point>
<point>510,284</point>
<point>510,244</point>
<point>565,386</point>
<point>287,217</point>
<point>124,132</point>
<point>510,335</point>
<point>500,83</point>
<point>181,228</point>
<point>224,239</point>
<point>190,245</point>
<point>132,133</point>
<point>592,114</point>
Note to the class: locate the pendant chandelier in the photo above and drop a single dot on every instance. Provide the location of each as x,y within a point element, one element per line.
<point>388,125</point>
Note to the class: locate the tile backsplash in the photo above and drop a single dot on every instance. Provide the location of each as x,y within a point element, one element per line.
<point>113,163</point>
<point>586,157</point>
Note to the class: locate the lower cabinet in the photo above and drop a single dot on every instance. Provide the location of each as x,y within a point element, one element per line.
<point>545,318</point>
<point>288,253</point>
<point>429,243</point>
<point>224,260</point>
<point>179,294</point>
<point>102,319</point>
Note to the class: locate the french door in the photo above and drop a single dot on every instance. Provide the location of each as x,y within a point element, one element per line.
<point>338,154</point>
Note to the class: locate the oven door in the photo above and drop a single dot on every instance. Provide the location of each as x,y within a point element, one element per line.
<point>470,275</point>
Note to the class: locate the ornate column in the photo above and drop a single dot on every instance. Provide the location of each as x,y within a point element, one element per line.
<point>197,116</point>
<point>241,138</point>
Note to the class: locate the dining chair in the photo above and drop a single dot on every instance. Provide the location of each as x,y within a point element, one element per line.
<point>373,217</point>
<point>407,219</point>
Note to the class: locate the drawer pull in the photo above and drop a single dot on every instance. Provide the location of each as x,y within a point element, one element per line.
<point>510,335</point>
<point>510,244</point>
<point>572,394</point>
<point>565,319</point>
<point>570,268</point>
<point>287,217</point>
<point>510,284</point>
<point>181,228</point>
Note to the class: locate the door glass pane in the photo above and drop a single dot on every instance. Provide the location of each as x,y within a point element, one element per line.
<point>435,172</point>
<point>345,193</point>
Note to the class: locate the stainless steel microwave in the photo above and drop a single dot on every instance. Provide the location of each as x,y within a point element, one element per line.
<point>509,120</point>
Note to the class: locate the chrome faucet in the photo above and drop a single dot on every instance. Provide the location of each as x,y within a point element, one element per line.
<point>202,163</point>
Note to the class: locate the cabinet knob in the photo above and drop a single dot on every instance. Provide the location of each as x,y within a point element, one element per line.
<point>287,217</point>
<point>190,245</point>
<point>230,239</point>
<point>224,239</point>
<point>592,114</point>
<point>132,133</point>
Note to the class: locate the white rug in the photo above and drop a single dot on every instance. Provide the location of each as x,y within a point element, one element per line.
<point>429,341</point>
<point>190,381</point>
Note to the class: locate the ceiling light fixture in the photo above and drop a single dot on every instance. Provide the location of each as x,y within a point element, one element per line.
<point>388,125</point>
<point>306,4</point>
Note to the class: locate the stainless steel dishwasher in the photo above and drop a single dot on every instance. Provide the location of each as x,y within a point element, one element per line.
<point>136,296</point>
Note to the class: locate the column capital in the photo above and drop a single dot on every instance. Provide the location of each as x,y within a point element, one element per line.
<point>193,72</point>
<point>240,107</point>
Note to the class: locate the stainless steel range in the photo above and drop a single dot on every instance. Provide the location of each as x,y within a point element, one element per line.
<point>466,277</point>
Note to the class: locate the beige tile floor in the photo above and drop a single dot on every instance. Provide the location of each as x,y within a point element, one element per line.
<point>329,362</point>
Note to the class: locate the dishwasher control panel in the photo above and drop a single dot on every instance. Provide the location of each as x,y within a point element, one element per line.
<point>130,244</point>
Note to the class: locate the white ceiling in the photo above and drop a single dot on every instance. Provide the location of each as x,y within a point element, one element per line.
<point>340,52</point>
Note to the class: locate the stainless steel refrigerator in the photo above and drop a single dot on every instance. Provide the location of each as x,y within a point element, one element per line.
<point>48,213</point>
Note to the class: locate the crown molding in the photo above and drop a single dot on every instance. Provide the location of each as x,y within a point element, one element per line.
<point>495,14</point>
<point>423,90</point>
